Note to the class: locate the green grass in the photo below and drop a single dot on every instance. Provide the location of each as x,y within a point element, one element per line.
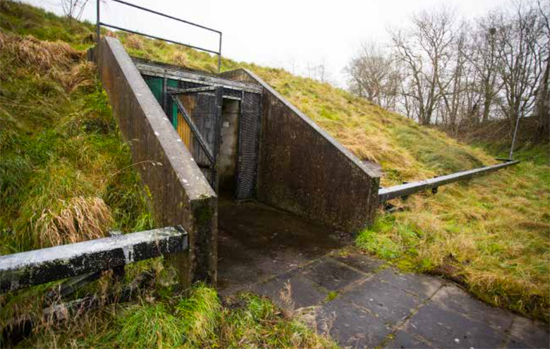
<point>491,234</point>
<point>65,174</point>
<point>197,321</point>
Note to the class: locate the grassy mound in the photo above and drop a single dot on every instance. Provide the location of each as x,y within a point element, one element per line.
<point>405,150</point>
<point>65,174</point>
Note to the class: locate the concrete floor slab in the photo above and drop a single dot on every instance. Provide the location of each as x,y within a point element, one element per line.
<point>262,249</point>
<point>351,326</point>
<point>302,291</point>
<point>358,261</point>
<point>383,301</point>
<point>331,274</point>
<point>419,285</point>
<point>403,340</point>
<point>257,242</point>
<point>528,334</point>
<point>455,299</point>
<point>448,329</point>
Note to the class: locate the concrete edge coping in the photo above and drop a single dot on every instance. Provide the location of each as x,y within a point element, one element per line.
<point>195,183</point>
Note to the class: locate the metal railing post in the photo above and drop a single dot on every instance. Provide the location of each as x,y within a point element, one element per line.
<point>97,21</point>
<point>220,55</point>
<point>510,157</point>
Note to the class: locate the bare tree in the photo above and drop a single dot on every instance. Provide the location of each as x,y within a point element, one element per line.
<point>373,74</point>
<point>425,52</point>
<point>521,48</point>
<point>73,9</point>
<point>318,71</point>
<point>482,57</point>
<point>453,92</point>
<point>440,70</point>
<point>543,96</point>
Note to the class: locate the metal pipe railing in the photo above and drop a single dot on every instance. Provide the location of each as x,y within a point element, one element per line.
<point>99,23</point>
<point>407,189</point>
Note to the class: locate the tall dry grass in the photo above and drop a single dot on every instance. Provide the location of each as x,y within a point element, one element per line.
<point>80,219</point>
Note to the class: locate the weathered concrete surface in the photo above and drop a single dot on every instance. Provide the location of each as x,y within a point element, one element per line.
<point>179,192</point>
<point>258,242</point>
<point>305,171</point>
<point>376,306</point>
<point>362,301</point>
<point>32,268</point>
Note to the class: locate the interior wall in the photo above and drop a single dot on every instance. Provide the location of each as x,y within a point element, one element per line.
<point>305,171</point>
<point>227,161</point>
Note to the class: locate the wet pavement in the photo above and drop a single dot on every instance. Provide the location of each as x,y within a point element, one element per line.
<point>256,242</point>
<point>357,299</point>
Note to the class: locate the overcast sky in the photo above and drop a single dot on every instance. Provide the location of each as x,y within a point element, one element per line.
<point>284,33</point>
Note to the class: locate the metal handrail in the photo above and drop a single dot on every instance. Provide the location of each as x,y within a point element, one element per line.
<point>404,190</point>
<point>99,24</point>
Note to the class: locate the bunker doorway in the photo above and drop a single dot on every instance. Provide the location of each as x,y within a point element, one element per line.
<point>220,126</point>
<point>198,123</point>
<point>223,135</point>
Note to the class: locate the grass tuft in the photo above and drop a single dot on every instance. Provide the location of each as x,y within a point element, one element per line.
<point>79,219</point>
<point>149,325</point>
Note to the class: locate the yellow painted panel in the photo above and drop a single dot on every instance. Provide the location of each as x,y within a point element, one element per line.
<point>184,132</point>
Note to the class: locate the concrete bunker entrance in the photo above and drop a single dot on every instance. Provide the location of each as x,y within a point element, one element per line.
<point>277,205</point>
<point>217,119</point>
<point>255,241</point>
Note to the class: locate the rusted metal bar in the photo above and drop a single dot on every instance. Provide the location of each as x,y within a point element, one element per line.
<point>194,129</point>
<point>220,55</point>
<point>163,70</point>
<point>21,270</point>
<point>403,190</point>
<point>98,22</point>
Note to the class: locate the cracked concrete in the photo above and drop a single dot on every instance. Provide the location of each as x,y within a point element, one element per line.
<point>357,299</point>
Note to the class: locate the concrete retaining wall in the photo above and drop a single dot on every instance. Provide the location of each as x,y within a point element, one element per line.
<point>305,171</point>
<point>180,194</point>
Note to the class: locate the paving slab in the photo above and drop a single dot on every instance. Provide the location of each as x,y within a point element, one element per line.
<point>419,285</point>
<point>528,334</point>
<point>261,249</point>
<point>351,326</point>
<point>453,298</point>
<point>331,274</point>
<point>383,301</point>
<point>354,259</point>
<point>403,340</point>
<point>303,292</point>
<point>444,328</point>
<point>257,242</point>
